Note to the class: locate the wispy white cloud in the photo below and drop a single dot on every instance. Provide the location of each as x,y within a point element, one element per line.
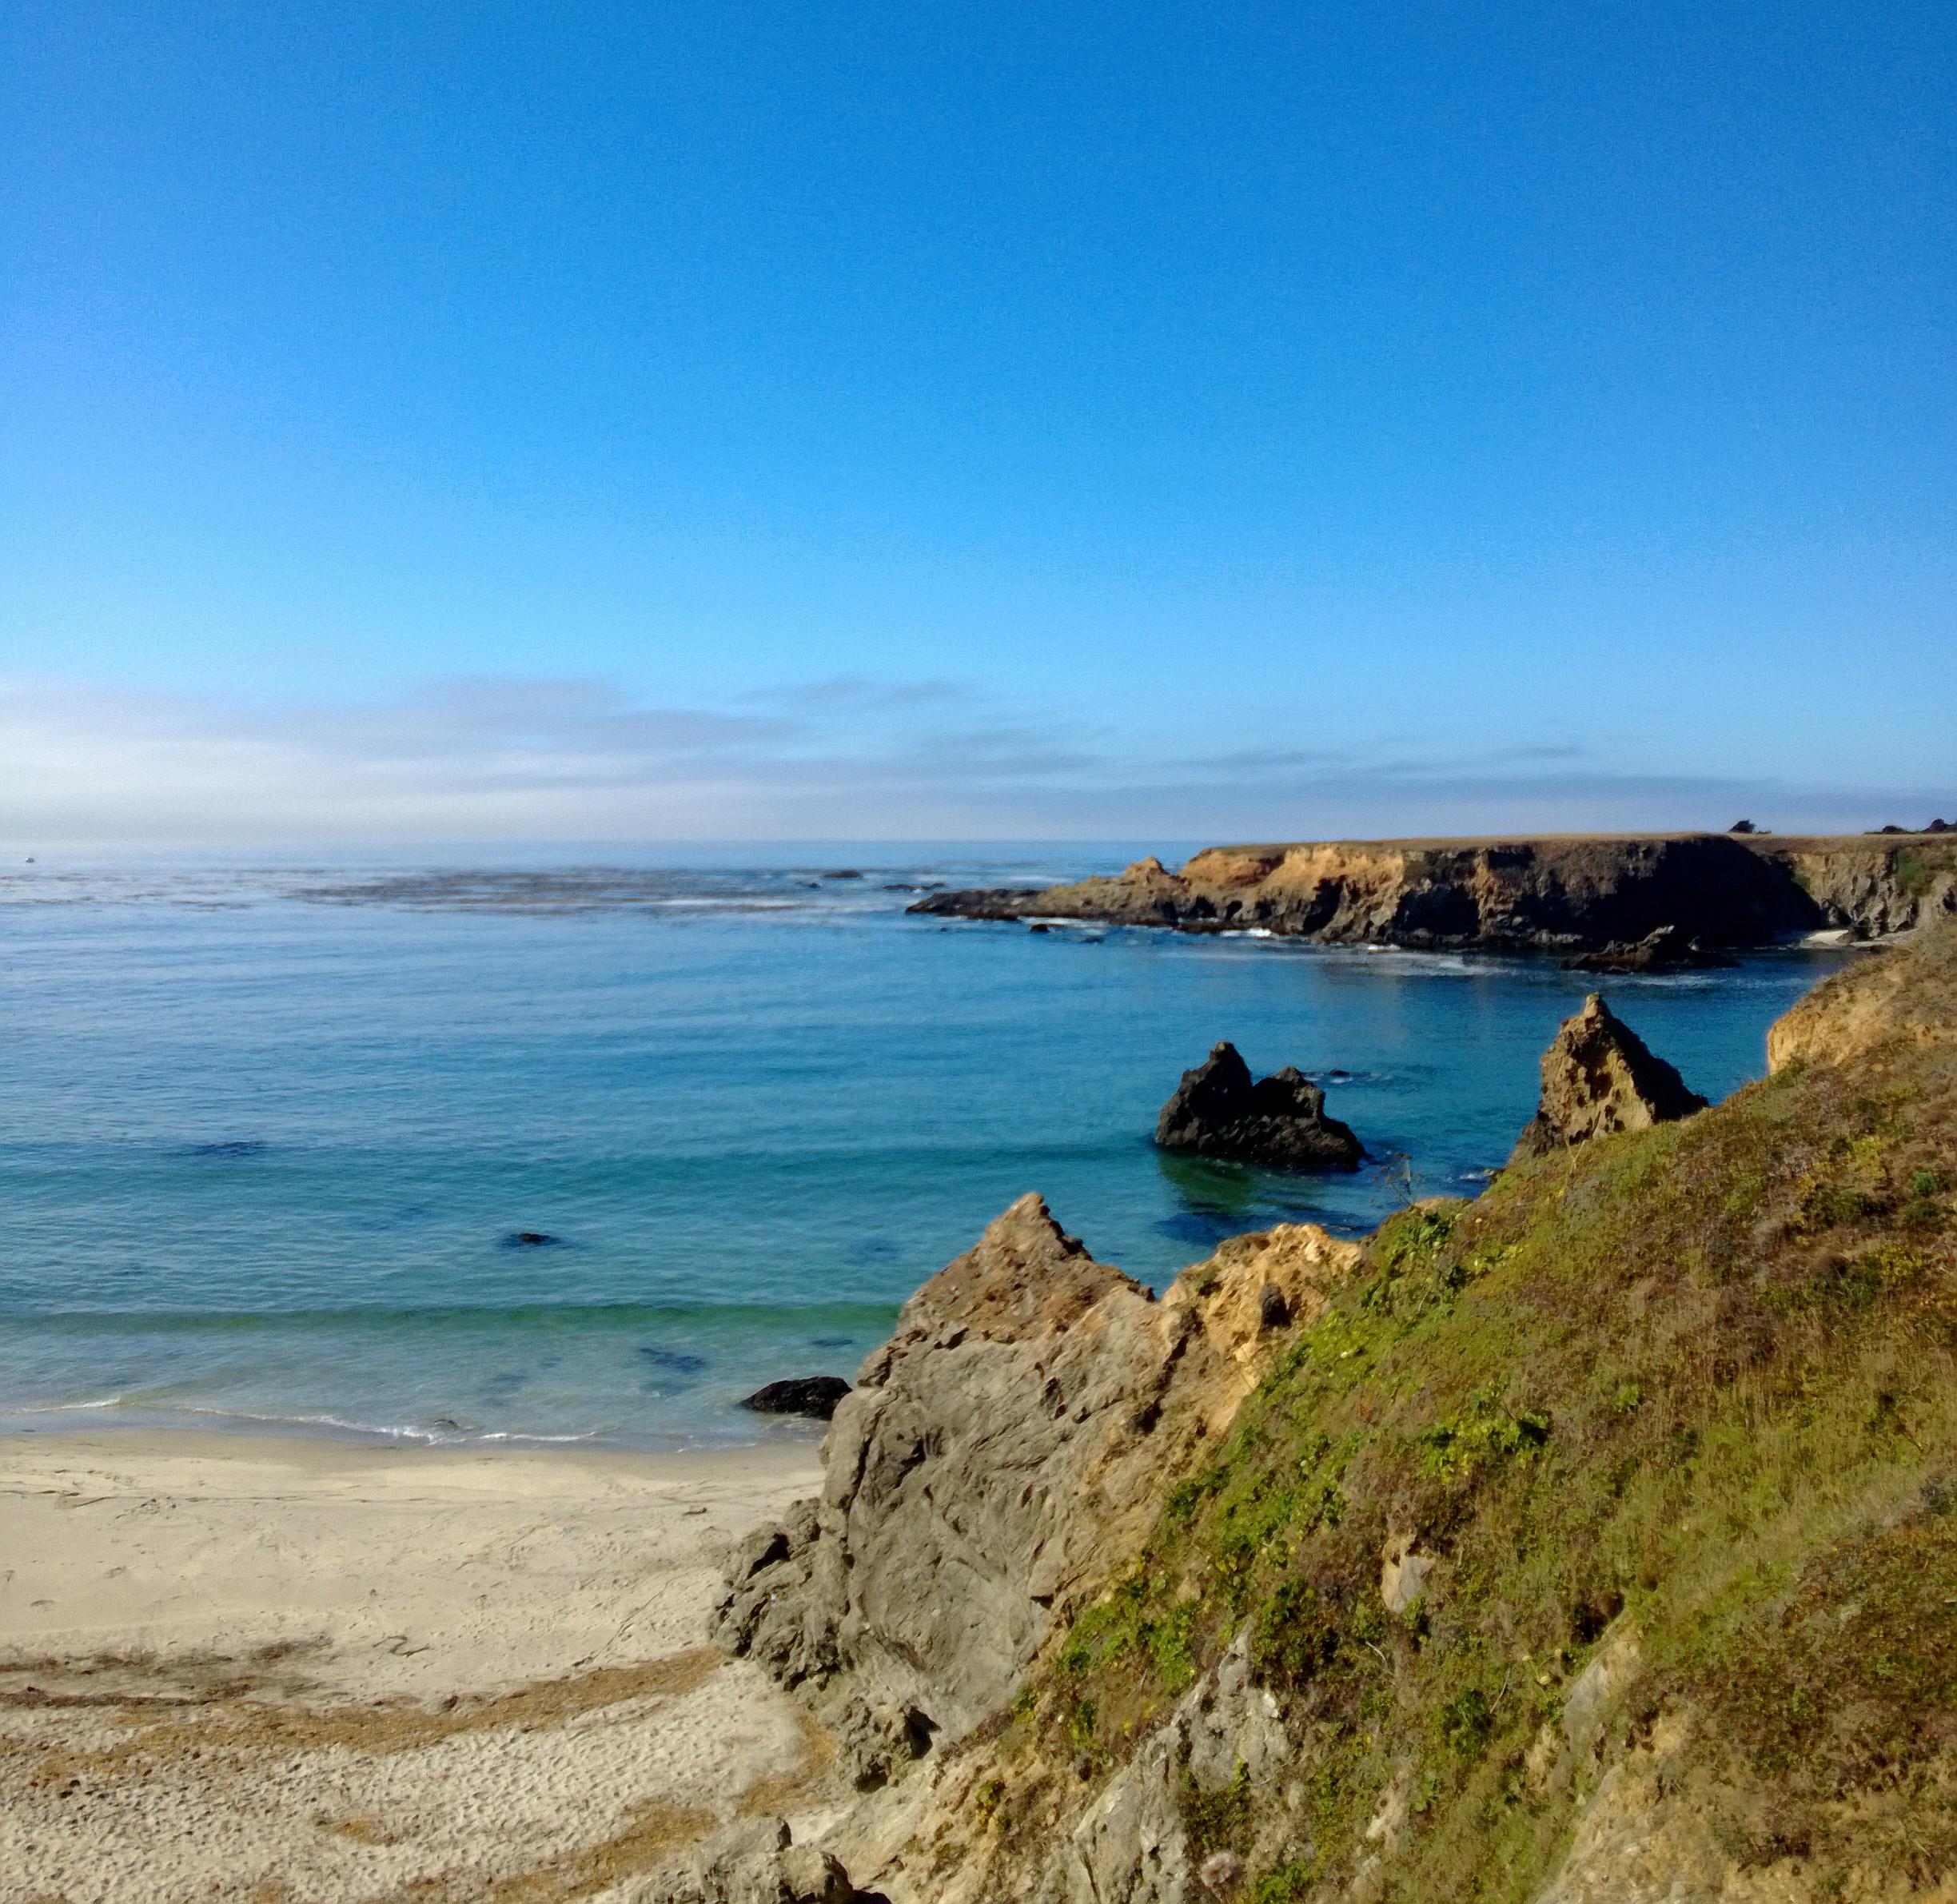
<point>495,759</point>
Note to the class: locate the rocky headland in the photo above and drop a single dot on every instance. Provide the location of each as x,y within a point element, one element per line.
<point>1569,894</point>
<point>1593,1539</point>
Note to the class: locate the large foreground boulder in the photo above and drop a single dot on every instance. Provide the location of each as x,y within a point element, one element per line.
<point>1598,1077</point>
<point>999,1458</point>
<point>1218,1110</point>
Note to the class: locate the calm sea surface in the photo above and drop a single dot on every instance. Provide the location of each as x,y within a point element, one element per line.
<point>267,1133</point>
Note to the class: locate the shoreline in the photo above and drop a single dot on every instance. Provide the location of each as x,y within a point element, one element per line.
<point>304,1667</point>
<point>82,1420</point>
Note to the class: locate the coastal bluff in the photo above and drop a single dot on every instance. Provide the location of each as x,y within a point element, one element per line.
<point>1591,1539</point>
<point>1568,892</point>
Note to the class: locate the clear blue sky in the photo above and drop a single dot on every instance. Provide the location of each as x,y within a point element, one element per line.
<point>642,420</point>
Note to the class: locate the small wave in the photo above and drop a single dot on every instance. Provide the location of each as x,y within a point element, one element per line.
<point>508,1434</point>
<point>63,1407</point>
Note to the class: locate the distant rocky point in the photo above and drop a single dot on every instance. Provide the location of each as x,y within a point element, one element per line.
<point>1568,894</point>
<point>1218,1110</point>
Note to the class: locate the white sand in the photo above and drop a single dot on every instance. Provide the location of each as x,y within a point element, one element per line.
<point>292,1670</point>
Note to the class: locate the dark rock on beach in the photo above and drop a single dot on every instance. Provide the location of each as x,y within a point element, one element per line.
<point>1218,1111</point>
<point>815,1396</point>
<point>1598,1077</point>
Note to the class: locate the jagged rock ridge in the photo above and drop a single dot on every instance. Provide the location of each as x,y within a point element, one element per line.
<point>997,1458</point>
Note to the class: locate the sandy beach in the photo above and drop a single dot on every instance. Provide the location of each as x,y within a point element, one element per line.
<point>292,1669</point>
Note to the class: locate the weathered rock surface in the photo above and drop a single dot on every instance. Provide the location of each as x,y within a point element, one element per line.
<point>1598,1077</point>
<point>753,1860</point>
<point>815,1396</point>
<point>1562,894</point>
<point>1000,1457</point>
<point>1217,1111</point>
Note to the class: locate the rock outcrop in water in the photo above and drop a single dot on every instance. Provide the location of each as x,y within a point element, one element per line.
<point>1668,949</point>
<point>1565,894</point>
<point>1599,1076</point>
<point>1280,1121</point>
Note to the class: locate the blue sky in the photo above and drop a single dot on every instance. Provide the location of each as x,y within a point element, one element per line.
<point>631,421</point>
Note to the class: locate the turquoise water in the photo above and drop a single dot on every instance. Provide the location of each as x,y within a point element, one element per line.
<point>266,1132</point>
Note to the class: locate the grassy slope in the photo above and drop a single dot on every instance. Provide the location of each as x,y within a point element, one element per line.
<point>1701,1377</point>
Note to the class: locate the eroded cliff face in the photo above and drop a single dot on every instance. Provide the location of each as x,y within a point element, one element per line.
<point>1566,895</point>
<point>1000,1455</point>
<point>1593,1540</point>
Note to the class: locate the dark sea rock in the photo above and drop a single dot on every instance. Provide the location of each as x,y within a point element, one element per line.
<point>1599,1076</point>
<point>1280,1121</point>
<point>532,1239</point>
<point>1670,949</point>
<point>815,1396</point>
<point>981,902</point>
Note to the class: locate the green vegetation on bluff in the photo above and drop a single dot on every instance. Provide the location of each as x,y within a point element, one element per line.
<point>1679,1406</point>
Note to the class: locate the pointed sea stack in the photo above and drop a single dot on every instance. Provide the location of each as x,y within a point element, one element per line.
<point>1280,1121</point>
<point>1599,1076</point>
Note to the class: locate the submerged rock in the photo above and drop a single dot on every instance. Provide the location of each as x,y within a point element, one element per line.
<point>1218,1111</point>
<point>531,1239</point>
<point>815,1396</point>
<point>1599,1076</point>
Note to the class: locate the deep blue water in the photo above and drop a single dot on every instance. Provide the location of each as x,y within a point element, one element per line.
<point>265,1140</point>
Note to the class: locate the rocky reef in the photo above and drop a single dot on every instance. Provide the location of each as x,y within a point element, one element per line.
<point>1568,894</point>
<point>1599,1076</point>
<point>1593,1539</point>
<point>1218,1110</point>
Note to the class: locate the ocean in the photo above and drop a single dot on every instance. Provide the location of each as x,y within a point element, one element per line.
<point>270,1133</point>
